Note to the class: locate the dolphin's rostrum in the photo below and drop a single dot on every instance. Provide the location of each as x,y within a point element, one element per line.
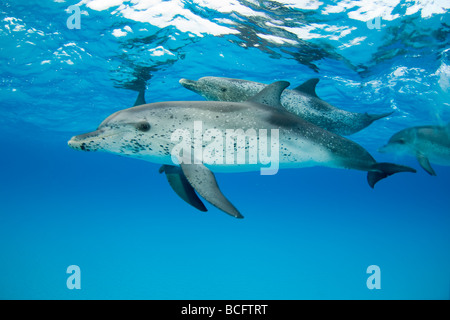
<point>146,132</point>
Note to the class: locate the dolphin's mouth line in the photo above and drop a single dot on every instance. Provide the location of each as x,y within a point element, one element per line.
<point>81,144</point>
<point>105,136</point>
<point>102,135</point>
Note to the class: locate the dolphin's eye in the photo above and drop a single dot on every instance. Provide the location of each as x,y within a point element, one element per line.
<point>143,126</point>
<point>223,89</point>
<point>401,141</point>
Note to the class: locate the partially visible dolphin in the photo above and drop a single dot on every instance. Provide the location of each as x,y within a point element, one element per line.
<point>426,143</point>
<point>302,101</point>
<point>147,132</point>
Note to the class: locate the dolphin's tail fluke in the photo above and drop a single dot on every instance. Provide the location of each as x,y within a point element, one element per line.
<point>383,170</point>
<point>374,117</point>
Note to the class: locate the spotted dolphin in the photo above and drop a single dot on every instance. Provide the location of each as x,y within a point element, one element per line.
<point>303,101</point>
<point>426,143</point>
<point>147,132</point>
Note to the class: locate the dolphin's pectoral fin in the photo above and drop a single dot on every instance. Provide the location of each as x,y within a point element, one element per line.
<point>308,87</point>
<point>181,186</point>
<point>425,164</point>
<point>204,182</point>
<point>271,95</point>
<point>383,170</point>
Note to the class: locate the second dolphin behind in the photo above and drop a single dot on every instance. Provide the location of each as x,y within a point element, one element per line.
<point>302,101</point>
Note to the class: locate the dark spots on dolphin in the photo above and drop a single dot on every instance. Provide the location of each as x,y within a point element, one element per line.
<point>87,148</point>
<point>135,146</point>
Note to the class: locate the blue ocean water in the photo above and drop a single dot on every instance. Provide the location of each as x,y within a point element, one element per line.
<point>307,233</point>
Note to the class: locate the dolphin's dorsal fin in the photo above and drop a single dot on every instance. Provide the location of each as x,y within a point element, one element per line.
<point>140,100</point>
<point>308,87</point>
<point>271,94</point>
